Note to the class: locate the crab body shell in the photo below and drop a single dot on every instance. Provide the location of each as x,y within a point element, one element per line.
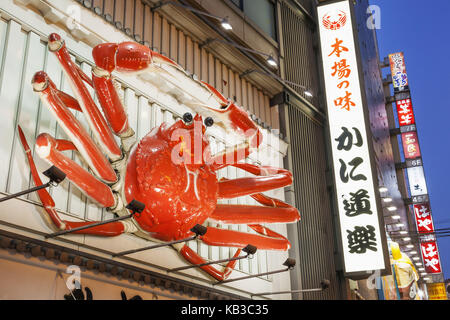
<point>175,197</point>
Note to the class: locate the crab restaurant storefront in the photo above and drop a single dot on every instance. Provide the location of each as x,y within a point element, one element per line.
<point>101,144</point>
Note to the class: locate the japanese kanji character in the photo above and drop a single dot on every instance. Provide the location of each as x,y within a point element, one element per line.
<point>397,61</point>
<point>406,119</point>
<point>411,148</point>
<point>337,48</point>
<point>344,102</point>
<point>354,163</point>
<point>341,68</point>
<point>359,204</point>
<point>346,139</point>
<point>400,79</point>
<point>409,139</point>
<point>404,108</point>
<point>361,239</point>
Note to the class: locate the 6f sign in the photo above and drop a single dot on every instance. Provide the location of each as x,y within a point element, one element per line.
<point>355,191</point>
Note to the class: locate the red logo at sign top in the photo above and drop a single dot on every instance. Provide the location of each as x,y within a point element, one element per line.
<point>334,20</point>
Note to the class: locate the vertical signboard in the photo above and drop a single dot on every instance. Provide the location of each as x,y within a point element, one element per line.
<point>416,178</point>
<point>410,145</point>
<point>362,245</point>
<point>398,71</point>
<point>436,291</point>
<point>424,221</point>
<point>430,256</point>
<point>405,112</point>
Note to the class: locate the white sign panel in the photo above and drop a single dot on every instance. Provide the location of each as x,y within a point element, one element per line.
<point>358,212</point>
<point>417,184</point>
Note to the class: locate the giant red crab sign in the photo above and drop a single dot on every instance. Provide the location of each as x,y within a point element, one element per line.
<point>177,184</point>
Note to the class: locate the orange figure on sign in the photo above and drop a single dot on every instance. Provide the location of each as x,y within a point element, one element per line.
<point>345,82</point>
<point>341,68</point>
<point>337,48</point>
<point>344,102</point>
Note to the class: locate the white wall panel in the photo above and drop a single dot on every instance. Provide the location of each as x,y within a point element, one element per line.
<point>144,117</point>
<point>28,104</point>
<point>44,121</point>
<point>157,115</point>
<point>10,94</point>
<point>3,32</point>
<point>131,103</point>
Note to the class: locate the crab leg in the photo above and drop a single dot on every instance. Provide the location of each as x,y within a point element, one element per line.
<point>105,58</point>
<point>111,229</point>
<point>93,188</point>
<point>280,212</point>
<point>248,214</point>
<point>269,178</point>
<point>192,256</point>
<point>275,210</point>
<point>44,196</point>
<point>76,77</point>
<point>268,240</point>
<point>109,100</point>
<point>66,99</point>
<point>63,145</point>
<point>51,97</point>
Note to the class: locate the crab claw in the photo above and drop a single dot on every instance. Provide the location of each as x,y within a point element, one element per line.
<point>235,120</point>
<point>127,57</point>
<point>104,56</point>
<point>229,116</point>
<point>232,119</point>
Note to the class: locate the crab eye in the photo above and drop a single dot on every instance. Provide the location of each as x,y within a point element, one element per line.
<point>209,121</point>
<point>187,117</point>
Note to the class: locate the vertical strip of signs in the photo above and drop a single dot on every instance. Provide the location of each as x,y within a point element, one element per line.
<point>398,71</point>
<point>416,176</point>
<point>357,205</point>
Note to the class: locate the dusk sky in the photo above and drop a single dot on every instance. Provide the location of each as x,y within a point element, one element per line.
<point>420,30</point>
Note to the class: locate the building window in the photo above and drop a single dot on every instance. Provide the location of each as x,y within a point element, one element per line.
<point>261,12</point>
